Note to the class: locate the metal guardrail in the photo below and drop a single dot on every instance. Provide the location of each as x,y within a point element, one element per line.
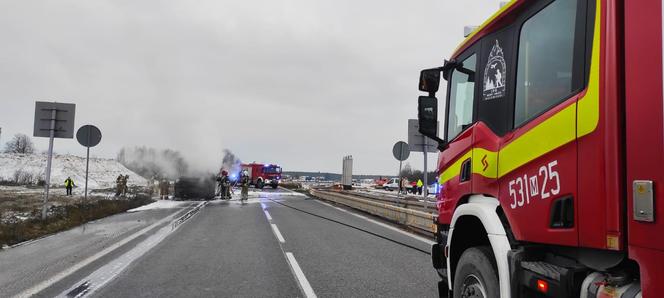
<point>423,221</point>
<point>405,202</point>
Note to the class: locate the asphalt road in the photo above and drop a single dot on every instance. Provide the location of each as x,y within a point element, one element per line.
<point>263,248</point>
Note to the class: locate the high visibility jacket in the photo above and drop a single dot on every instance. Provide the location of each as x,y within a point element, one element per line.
<point>419,183</point>
<point>69,182</point>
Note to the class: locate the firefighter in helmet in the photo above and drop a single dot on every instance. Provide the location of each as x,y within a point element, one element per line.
<point>244,183</point>
<point>118,184</point>
<point>164,187</point>
<point>224,186</point>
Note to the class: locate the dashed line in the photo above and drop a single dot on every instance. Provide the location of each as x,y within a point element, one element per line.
<point>299,274</point>
<point>277,233</point>
<point>301,279</point>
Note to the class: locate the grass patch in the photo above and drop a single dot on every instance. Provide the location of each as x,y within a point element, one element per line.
<point>65,217</point>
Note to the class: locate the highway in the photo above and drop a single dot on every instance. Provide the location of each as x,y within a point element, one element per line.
<point>278,244</point>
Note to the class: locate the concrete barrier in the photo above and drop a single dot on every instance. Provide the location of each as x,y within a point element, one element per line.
<point>423,221</point>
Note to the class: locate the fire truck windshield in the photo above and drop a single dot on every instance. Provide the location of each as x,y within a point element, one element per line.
<point>272,170</point>
<point>461,99</point>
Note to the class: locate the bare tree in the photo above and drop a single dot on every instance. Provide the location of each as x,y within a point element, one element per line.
<point>20,143</point>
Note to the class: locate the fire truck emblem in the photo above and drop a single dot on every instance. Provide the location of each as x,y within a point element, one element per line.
<point>495,73</point>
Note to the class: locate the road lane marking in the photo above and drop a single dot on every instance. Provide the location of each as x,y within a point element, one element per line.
<point>277,233</point>
<point>63,274</point>
<point>425,240</point>
<point>109,271</point>
<point>301,279</point>
<point>299,275</point>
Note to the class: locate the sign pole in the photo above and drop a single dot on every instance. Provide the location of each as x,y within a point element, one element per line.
<point>399,186</point>
<point>48,161</point>
<point>88,136</point>
<point>87,164</point>
<point>400,152</point>
<point>426,174</point>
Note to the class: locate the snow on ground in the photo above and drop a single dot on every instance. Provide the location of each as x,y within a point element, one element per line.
<point>102,173</point>
<point>161,204</point>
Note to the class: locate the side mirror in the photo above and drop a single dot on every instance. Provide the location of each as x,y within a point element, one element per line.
<point>427,115</point>
<point>430,80</point>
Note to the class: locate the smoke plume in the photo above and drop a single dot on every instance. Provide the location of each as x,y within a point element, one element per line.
<point>150,162</point>
<point>230,162</point>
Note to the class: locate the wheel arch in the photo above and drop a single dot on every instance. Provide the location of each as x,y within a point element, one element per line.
<point>479,217</point>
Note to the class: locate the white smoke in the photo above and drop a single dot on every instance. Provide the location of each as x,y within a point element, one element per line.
<point>150,162</point>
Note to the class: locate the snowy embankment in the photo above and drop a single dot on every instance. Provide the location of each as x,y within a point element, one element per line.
<point>102,173</point>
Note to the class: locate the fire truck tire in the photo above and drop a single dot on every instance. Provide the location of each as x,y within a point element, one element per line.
<point>476,274</point>
<point>260,184</point>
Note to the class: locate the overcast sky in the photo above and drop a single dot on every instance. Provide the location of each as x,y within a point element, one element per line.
<point>300,83</point>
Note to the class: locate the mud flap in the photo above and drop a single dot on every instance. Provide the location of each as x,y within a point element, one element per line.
<point>443,289</point>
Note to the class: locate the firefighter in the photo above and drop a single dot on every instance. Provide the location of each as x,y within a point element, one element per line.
<point>118,185</point>
<point>163,189</point>
<point>125,188</point>
<point>69,184</point>
<point>403,185</point>
<point>156,184</point>
<point>244,183</point>
<point>419,186</point>
<point>224,186</point>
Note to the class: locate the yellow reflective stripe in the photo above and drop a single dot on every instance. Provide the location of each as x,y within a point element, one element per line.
<point>588,106</point>
<point>552,133</point>
<point>487,22</point>
<point>485,163</point>
<point>453,170</point>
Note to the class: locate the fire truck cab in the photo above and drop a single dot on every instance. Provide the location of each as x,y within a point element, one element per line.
<point>552,152</point>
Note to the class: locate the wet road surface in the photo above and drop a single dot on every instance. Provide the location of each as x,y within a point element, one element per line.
<point>271,246</point>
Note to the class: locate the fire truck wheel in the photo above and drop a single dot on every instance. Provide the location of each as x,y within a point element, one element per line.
<point>260,184</point>
<point>476,275</point>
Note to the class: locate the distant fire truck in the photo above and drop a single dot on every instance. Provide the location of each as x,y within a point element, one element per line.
<point>262,174</point>
<point>552,152</point>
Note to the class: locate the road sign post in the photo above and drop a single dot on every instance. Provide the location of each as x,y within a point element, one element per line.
<point>52,120</point>
<point>401,153</point>
<point>420,143</point>
<point>88,136</point>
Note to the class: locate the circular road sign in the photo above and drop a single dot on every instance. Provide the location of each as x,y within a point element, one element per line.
<point>401,151</point>
<point>88,135</point>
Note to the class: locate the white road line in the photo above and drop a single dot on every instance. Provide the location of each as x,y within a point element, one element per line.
<point>425,240</point>
<point>60,276</point>
<point>302,281</point>
<point>299,274</point>
<point>277,233</point>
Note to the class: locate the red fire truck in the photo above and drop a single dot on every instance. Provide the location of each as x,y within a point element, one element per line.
<point>552,154</point>
<point>263,174</point>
